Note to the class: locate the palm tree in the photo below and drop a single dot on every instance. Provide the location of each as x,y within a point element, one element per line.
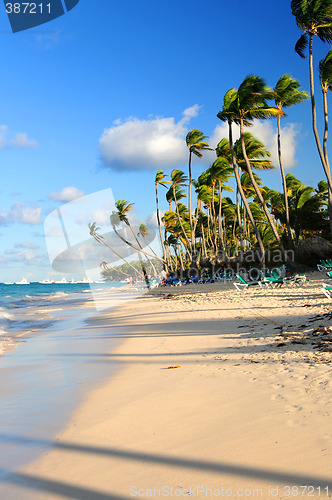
<point>178,179</point>
<point>228,114</point>
<point>143,231</point>
<point>306,207</point>
<point>251,103</point>
<point>100,239</point>
<point>325,75</point>
<point>160,180</point>
<point>314,18</point>
<point>287,94</point>
<point>195,141</point>
<point>121,215</point>
<point>219,172</point>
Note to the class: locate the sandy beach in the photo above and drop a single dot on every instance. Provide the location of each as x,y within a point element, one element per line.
<point>218,393</point>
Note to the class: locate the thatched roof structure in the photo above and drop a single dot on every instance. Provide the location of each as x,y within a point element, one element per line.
<point>313,249</point>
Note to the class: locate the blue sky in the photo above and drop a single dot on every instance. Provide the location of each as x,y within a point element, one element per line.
<point>82,96</point>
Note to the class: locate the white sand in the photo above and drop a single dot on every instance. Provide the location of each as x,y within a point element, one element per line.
<point>249,406</point>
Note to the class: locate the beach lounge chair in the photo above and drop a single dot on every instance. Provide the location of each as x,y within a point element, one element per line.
<point>244,285</point>
<point>324,265</point>
<point>327,290</point>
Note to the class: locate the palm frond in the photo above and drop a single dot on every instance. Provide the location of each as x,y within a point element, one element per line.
<point>301,45</point>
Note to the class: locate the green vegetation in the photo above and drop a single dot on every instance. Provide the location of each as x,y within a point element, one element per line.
<point>202,226</point>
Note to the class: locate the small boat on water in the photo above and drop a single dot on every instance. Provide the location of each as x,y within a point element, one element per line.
<point>46,282</point>
<point>8,283</point>
<point>63,281</point>
<point>22,282</point>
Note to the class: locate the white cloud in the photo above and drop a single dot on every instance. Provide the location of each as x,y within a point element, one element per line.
<point>146,144</point>
<point>266,132</point>
<point>21,214</point>
<point>28,257</point>
<point>25,244</point>
<point>16,140</point>
<point>30,216</point>
<point>69,193</point>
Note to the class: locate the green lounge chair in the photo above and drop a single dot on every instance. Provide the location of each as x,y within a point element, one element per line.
<point>324,266</point>
<point>244,285</point>
<point>327,290</point>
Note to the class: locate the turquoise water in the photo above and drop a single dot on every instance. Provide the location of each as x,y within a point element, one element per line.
<point>29,307</point>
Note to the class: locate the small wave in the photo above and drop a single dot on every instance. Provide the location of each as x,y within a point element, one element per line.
<point>59,294</point>
<point>6,315</point>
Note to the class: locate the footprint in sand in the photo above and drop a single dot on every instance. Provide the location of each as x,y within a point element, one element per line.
<point>277,386</point>
<point>277,397</point>
<point>294,408</point>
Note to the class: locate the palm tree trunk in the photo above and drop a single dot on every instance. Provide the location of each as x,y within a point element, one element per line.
<point>326,129</point>
<point>135,248</point>
<point>179,217</point>
<point>257,190</point>
<point>244,199</point>
<point>192,234</point>
<point>101,240</point>
<point>213,221</point>
<point>239,218</point>
<point>314,117</point>
<point>289,231</point>
<point>180,256</point>
<point>159,225</point>
<point>220,228</point>
<point>203,240</point>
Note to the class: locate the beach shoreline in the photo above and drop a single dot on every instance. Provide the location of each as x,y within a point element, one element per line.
<point>212,391</point>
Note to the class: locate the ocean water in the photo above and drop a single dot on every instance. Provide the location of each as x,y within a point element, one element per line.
<point>30,308</point>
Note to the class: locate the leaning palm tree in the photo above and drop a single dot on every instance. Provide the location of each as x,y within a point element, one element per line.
<point>229,115</point>
<point>251,103</point>
<point>120,215</point>
<point>195,141</point>
<point>325,76</point>
<point>287,94</point>
<point>314,18</point>
<point>101,240</point>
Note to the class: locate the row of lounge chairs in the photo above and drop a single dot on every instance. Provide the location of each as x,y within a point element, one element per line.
<point>272,279</point>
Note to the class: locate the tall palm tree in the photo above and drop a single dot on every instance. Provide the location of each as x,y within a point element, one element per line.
<point>160,180</point>
<point>229,115</point>
<point>251,103</point>
<point>314,18</point>
<point>196,143</point>
<point>219,173</point>
<point>287,94</point>
<point>325,76</point>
